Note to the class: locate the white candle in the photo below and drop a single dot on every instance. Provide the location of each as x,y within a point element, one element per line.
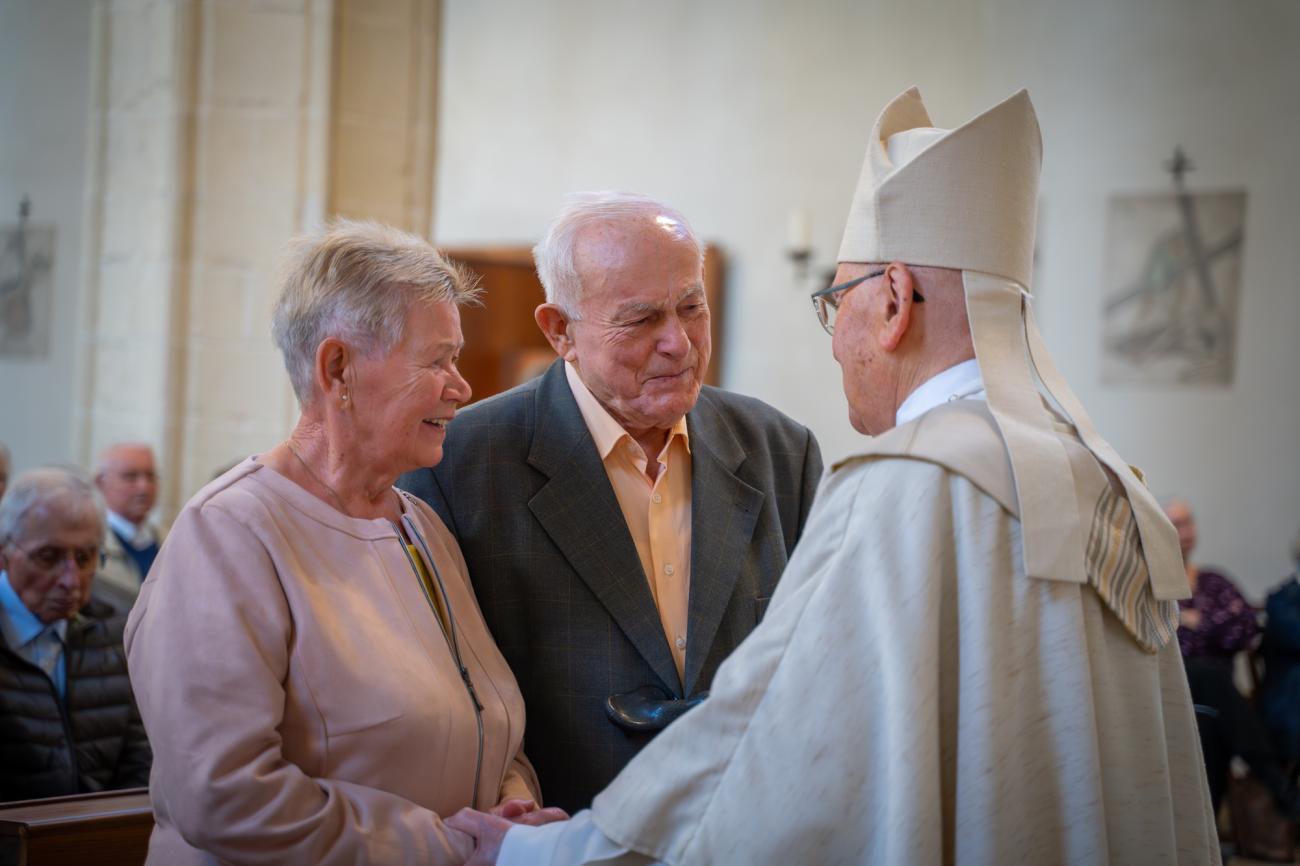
<point>799,230</point>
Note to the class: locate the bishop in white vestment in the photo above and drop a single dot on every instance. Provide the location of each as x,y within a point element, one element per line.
<point>969,657</point>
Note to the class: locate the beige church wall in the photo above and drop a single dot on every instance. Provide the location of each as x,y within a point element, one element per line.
<point>44,89</point>
<point>176,144</point>
<point>187,142</point>
<point>740,113</point>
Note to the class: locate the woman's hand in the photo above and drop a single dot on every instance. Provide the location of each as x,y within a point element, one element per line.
<point>488,829</point>
<point>513,808</point>
<point>487,832</point>
<point>460,842</point>
<point>517,810</point>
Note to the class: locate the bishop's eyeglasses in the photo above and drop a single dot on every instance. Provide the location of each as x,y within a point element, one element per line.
<point>826,302</point>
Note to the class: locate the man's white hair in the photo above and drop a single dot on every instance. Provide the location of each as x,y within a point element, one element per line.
<point>554,254</point>
<point>103,462</point>
<point>47,487</point>
<point>356,281</point>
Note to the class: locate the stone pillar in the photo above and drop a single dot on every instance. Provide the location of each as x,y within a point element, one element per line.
<point>382,127</point>
<point>220,128</point>
<point>259,172</point>
<point>136,222</point>
<point>207,151</point>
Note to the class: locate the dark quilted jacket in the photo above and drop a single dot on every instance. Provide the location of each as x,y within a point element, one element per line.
<point>93,743</point>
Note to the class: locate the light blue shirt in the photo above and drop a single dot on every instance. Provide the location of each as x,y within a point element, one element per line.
<point>138,537</point>
<point>25,634</point>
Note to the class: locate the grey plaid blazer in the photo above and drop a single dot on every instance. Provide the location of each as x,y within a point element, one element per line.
<point>556,573</point>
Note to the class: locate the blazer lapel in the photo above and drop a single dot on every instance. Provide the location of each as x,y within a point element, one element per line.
<point>579,511</point>
<point>724,511</point>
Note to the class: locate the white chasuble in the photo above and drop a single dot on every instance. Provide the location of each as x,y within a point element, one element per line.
<point>913,698</point>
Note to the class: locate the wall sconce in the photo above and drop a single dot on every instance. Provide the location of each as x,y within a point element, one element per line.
<point>798,240</point>
<point>799,250</point>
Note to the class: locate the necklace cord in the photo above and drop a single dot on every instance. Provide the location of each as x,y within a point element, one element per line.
<point>338,500</point>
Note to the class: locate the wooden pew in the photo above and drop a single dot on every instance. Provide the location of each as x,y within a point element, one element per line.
<point>108,829</point>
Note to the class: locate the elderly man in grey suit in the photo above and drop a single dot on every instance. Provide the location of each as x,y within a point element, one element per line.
<point>624,526</point>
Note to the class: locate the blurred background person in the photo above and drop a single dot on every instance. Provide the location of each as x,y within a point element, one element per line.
<point>314,672</point>
<point>128,480</point>
<point>1214,625</point>
<point>68,722</point>
<point>1280,691</point>
<point>5,464</point>
<point>1216,622</point>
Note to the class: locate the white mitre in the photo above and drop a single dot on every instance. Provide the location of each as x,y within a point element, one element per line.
<point>966,199</point>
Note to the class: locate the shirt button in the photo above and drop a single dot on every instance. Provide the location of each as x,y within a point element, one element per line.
<point>657,498</point>
<point>681,643</point>
<point>668,569</point>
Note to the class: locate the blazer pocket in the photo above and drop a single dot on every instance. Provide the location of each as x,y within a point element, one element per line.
<point>760,607</point>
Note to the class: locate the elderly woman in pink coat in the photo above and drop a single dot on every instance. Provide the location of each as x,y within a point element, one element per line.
<point>314,674</point>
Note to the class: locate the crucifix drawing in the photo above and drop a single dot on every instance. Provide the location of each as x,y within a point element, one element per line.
<point>1176,314</point>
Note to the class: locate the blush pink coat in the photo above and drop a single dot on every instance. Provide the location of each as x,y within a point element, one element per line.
<point>303,703</point>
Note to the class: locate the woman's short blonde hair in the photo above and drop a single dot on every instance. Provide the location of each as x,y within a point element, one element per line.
<point>356,281</point>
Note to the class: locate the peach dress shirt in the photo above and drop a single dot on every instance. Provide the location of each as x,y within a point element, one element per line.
<point>657,513</point>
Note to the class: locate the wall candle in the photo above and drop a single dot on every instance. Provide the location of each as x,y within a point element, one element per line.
<point>799,230</point>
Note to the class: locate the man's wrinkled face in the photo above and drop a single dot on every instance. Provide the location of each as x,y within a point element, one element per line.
<point>52,561</point>
<point>1180,515</point>
<point>641,344</point>
<point>854,346</point>
<point>128,482</point>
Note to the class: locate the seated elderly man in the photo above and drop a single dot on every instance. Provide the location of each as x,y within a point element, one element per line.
<point>4,468</point>
<point>68,721</point>
<point>128,481</point>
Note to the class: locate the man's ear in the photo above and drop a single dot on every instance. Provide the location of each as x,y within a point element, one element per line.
<point>555,326</point>
<point>334,360</point>
<point>896,297</point>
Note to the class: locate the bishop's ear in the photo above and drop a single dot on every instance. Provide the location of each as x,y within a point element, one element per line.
<point>555,325</point>
<point>895,297</point>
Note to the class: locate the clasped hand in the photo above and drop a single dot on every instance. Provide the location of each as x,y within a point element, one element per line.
<point>488,829</point>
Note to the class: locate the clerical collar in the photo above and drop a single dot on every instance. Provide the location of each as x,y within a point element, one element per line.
<point>959,382</point>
